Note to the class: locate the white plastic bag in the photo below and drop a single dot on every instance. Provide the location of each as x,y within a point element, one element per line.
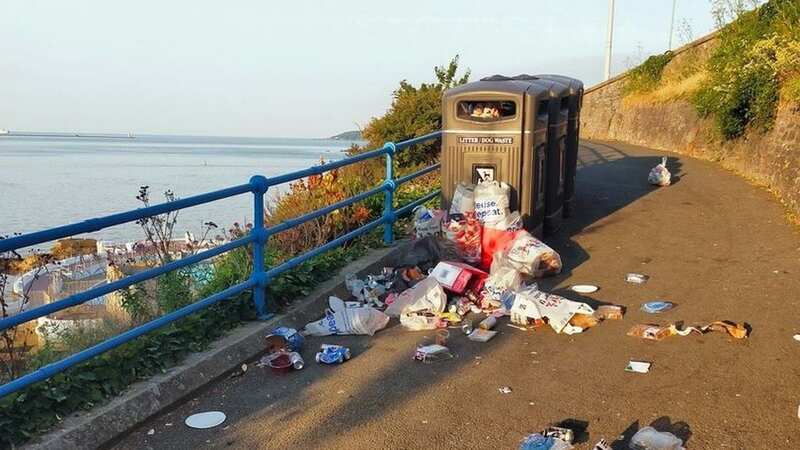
<point>502,278</point>
<point>648,438</point>
<point>491,202</point>
<point>417,305</point>
<point>463,199</point>
<point>343,319</point>
<point>659,175</point>
<point>531,303</point>
<point>530,256</point>
<point>427,222</point>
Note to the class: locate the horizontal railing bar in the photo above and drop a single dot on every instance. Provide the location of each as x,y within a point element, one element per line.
<point>419,173</point>
<point>97,224</point>
<point>410,207</point>
<point>322,168</point>
<point>417,140</point>
<point>85,296</point>
<point>283,226</point>
<point>59,366</point>
<point>297,260</point>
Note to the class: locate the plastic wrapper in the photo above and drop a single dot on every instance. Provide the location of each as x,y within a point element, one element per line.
<point>427,222</point>
<point>463,199</point>
<point>419,307</point>
<point>531,303</point>
<point>342,319</point>
<point>659,175</point>
<point>491,202</point>
<point>465,236</point>
<point>530,256</point>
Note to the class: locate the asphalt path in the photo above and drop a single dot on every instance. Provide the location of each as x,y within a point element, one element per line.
<point>712,243</point>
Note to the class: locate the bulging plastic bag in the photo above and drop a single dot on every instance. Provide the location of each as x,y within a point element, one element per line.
<point>463,199</point>
<point>343,319</point>
<point>491,202</point>
<point>427,222</point>
<point>464,234</point>
<point>530,256</point>
<point>659,175</point>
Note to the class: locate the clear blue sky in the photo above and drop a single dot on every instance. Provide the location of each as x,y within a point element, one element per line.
<point>288,68</point>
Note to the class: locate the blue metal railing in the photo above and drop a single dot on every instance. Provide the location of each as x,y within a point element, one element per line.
<point>258,236</point>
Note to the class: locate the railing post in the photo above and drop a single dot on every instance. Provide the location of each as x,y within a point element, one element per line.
<point>388,195</point>
<point>259,186</point>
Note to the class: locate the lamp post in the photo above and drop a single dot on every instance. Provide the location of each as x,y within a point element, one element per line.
<point>609,38</point>
<point>672,23</point>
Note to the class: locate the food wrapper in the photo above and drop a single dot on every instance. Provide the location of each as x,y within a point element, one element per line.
<point>465,235</point>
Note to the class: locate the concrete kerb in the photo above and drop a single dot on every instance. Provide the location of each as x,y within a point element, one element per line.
<point>107,423</point>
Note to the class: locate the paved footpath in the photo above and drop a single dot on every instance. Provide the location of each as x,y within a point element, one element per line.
<point>717,246</point>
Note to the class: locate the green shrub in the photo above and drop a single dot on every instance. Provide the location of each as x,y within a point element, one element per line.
<point>755,52</point>
<point>645,77</point>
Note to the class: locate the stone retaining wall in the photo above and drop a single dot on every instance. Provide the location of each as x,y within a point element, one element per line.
<point>771,158</point>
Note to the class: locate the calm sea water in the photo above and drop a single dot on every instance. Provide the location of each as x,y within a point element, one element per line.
<point>51,181</point>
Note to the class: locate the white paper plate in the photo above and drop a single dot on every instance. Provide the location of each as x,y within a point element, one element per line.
<point>208,419</point>
<point>584,288</point>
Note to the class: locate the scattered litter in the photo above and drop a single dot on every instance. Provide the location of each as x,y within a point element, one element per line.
<point>488,323</point>
<point>504,390</point>
<point>168,424</point>
<point>280,362</point>
<point>208,419</point>
<point>637,278</point>
<point>332,354</point>
<point>659,175</point>
<point>796,337</point>
<point>648,438</point>
<point>584,288</point>
<point>463,233</point>
<point>427,222</point>
<point>657,307</point>
<point>564,434</point>
<point>341,319</point>
<point>441,337</point>
<point>531,303</point>
<point>458,277</point>
<point>538,442</point>
<point>151,432</point>
<point>638,366</point>
<point>481,335</point>
<point>530,256</point>
<point>609,312</point>
<point>602,444</point>
<point>297,360</point>
<point>418,306</point>
<point>466,326</point>
<point>516,326</point>
<point>658,332</point>
<point>432,353</point>
<point>650,332</point>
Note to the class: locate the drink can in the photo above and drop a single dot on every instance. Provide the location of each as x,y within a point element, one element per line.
<point>466,326</point>
<point>297,360</point>
<point>488,323</point>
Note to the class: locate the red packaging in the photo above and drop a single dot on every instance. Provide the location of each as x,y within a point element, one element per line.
<point>465,234</point>
<point>492,241</point>
<point>459,278</point>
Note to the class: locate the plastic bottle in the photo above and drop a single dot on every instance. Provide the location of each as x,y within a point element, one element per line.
<point>488,323</point>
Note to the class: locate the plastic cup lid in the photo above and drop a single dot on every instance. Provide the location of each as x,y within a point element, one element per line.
<point>584,288</point>
<point>207,419</point>
<point>657,307</point>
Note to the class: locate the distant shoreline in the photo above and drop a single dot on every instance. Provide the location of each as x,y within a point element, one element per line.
<point>70,135</point>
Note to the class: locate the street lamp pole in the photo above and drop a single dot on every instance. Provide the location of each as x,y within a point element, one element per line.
<point>609,38</point>
<point>672,23</point>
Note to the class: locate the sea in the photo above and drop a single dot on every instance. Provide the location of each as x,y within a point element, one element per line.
<point>52,180</point>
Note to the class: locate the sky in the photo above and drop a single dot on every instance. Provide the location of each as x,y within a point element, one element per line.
<point>291,68</point>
